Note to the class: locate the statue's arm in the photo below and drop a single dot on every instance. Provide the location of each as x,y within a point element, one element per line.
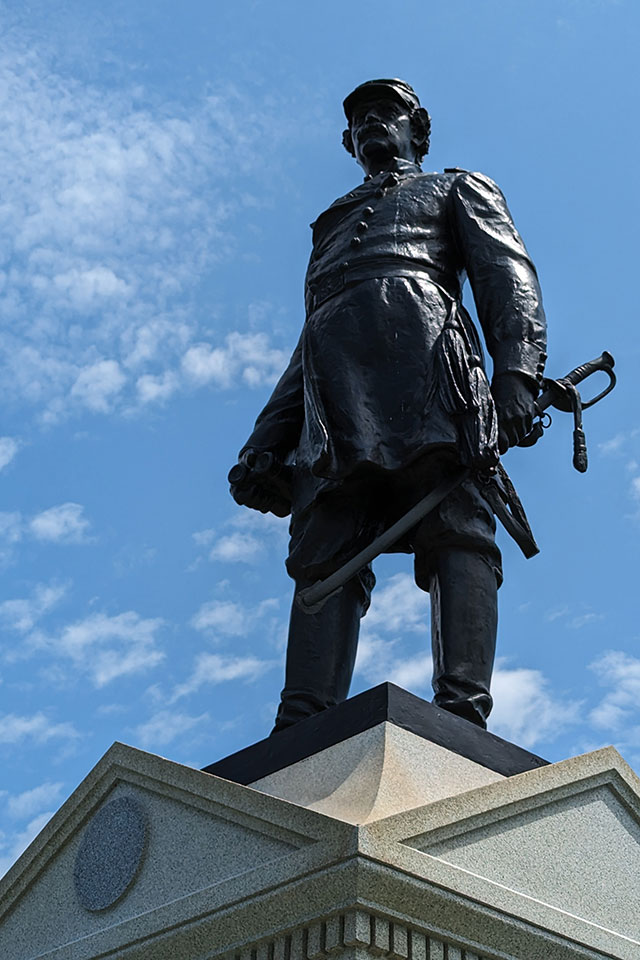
<point>276,432</point>
<point>507,296</point>
<point>277,429</point>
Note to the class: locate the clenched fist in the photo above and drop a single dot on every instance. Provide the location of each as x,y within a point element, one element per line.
<point>514,396</point>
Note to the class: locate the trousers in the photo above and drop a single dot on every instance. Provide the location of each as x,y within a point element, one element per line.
<point>456,560</point>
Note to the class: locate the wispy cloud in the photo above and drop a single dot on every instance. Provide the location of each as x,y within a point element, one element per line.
<point>612,446</point>
<point>252,535</point>
<point>230,618</point>
<point>619,709</point>
<point>398,605</point>
<point>249,357</point>
<point>526,710</point>
<point>212,669</point>
<point>104,648</point>
<point>237,548</point>
<point>9,447</point>
<point>97,274</point>
<point>27,804</point>
<point>398,608</point>
<point>23,613</point>
<point>11,847</point>
<point>166,726</point>
<point>37,728</point>
<point>98,384</point>
<point>64,523</point>
<point>572,620</point>
<point>37,805</point>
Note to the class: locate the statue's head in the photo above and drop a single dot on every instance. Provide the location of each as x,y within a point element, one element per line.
<point>385,120</point>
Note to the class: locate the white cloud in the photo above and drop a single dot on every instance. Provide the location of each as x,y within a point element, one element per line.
<point>556,614</point>
<point>204,537</point>
<point>399,605</point>
<point>237,548</point>
<point>64,523</point>
<point>11,526</point>
<point>165,726</point>
<point>212,669</point>
<point>98,384</point>
<point>156,389</point>
<point>398,608</point>
<point>11,848</point>
<point>22,614</point>
<point>16,729</point>
<point>230,618</point>
<point>414,672</point>
<point>584,619</point>
<point>525,710</point>
<point>27,804</point>
<point>620,707</point>
<point>248,356</point>
<point>575,622</point>
<point>119,205</point>
<point>252,535</point>
<point>9,447</point>
<point>612,446</point>
<point>105,648</point>
<point>223,616</point>
<point>382,658</point>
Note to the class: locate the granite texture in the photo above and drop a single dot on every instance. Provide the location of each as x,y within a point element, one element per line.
<point>233,872</point>
<point>382,771</point>
<point>580,854</point>
<point>110,853</point>
<point>205,835</point>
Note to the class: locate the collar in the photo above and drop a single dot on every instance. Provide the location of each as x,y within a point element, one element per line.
<point>404,168</point>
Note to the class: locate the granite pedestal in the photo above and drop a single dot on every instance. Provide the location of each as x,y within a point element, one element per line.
<point>414,836</point>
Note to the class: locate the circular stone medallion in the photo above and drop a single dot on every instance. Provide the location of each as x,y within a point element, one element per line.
<point>111,853</point>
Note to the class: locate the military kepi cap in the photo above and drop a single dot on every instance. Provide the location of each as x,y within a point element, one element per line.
<point>392,89</point>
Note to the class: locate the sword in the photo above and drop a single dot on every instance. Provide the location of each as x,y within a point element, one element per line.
<point>561,394</point>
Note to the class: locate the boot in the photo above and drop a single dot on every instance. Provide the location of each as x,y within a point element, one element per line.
<point>464,621</point>
<point>321,652</point>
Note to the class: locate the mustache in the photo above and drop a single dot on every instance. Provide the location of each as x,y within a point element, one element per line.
<point>372,128</point>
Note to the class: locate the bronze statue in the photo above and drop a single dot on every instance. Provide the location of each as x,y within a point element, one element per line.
<point>386,398</point>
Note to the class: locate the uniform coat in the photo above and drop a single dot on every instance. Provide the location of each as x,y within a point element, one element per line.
<point>389,366</point>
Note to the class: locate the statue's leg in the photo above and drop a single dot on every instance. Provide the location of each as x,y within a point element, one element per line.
<point>464,620</point>
<point>321,648</point>
<point>321,652</point>
<point>458,562</point>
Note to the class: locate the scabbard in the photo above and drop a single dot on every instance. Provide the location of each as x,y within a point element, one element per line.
<point>500,494</point>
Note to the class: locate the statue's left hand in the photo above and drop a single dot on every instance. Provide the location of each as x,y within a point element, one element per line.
<point>514,396</point>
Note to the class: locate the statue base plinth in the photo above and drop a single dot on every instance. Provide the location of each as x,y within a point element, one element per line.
<point>384,841</point>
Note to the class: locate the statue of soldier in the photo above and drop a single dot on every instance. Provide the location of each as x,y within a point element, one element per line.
<point>386,395</point>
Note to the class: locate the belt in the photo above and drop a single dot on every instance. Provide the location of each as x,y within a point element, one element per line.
<point>328,286</point>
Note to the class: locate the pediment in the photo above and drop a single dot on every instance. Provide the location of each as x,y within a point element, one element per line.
<point>557,845</point>
<point>138,836</point>
<point>567,852</point>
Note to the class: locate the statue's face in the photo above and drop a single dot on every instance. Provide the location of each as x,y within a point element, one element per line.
<point>381,129</point>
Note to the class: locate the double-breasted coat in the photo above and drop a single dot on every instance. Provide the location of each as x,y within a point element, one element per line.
<point>389,365</point>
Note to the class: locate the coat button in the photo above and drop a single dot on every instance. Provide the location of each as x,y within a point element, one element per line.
<point>380,192</point>
<point>355,241</point>
<point>362,226</point>
<point>344,265</point>
<point>368,211</point>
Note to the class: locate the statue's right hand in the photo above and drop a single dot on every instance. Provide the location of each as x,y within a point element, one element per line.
<point>253,487</point>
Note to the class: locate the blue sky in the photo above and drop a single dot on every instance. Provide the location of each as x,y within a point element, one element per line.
<point>161,162</point>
